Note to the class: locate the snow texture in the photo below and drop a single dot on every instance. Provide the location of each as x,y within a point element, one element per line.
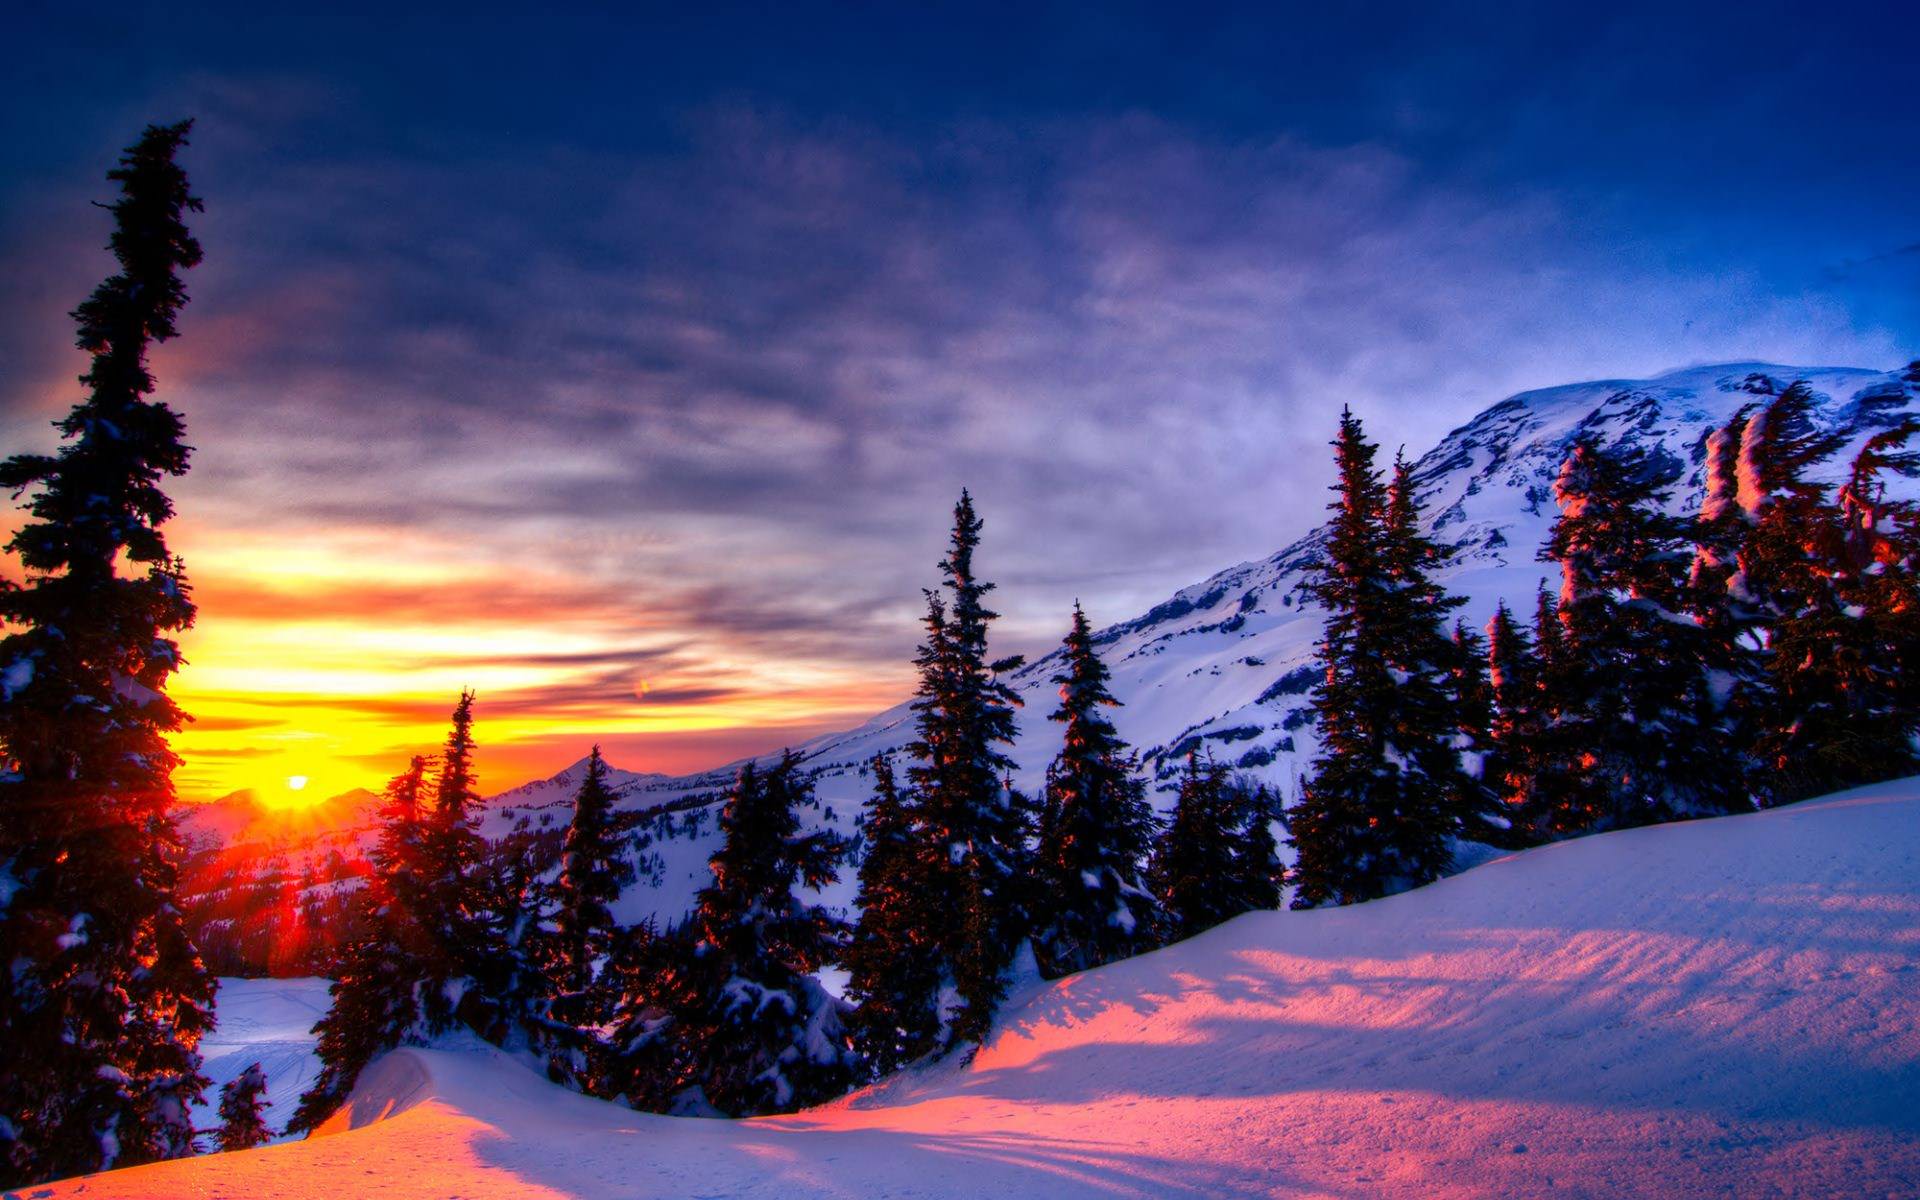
<point>1713,1008</point>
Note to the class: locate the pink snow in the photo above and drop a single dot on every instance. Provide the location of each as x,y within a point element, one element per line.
<point>1713,1008</point>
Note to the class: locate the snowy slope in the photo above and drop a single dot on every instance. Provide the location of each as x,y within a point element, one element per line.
<point>1717,1008</point>
<point>265,1021</point>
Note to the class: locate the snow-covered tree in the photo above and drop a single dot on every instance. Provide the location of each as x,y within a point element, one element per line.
<point>375,994</point>
<point>451,935</point>
<point>1091,904</point>
<point>1834,587</point>
<point>1217,858</point>
<point>593,869</point>
<point>893,967</point>
<point>723,1013</point>
<point>1377,814</point>
<point>104,999</point>
<point>1634,704</point>
<point>243,1100</point>
<point>971,825</point>
<point>1516,723</point>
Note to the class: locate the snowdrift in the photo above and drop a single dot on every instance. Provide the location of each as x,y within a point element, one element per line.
<point>1718,1008</point>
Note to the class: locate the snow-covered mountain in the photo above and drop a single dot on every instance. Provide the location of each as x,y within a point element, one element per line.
<point>1226,664</point>
<point>1709,1008</point>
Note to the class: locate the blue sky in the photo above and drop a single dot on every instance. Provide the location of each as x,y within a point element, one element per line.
<point>703,318</point>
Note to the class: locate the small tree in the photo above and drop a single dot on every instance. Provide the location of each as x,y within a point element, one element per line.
<point>892,965</point>
<point>242,1098</point>
<point>593,870</point>
<point>1092,905</point>
<point>724,1013</point>
<point>1197,854</point>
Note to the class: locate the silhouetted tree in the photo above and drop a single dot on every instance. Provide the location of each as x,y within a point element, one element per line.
<point>892,964</point>
<point>971,825</point>
<point>1633,701</point>
<point>1092,906</point>
<point>723,1014</point>
<point>104,999</point>
<point>1377,813</point>
<point>593,870</point>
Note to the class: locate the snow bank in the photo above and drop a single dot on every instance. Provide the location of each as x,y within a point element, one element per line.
<point>1719,1008</point>
<point>268,1021</point>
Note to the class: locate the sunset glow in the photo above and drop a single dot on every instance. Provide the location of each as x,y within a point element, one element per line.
<point>305,680</point>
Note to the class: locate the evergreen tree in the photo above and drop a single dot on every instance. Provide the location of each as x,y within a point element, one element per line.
<point>105,999</point>
<point>450,936</point>
<point>1517,726</point>
<point>1093,907</point>
<point>1832,721</point>
<point>1253,878</point>
<point>1218,857</point>
<point>242,1098</point>
<point>892,965</point>
<point>1377,813</point>
<point>723,1014</point>
<point>1633,697</point>
<point>593,870</point>
<point>971,826</point>
<point>377,978</point>
<point>1475,799</point>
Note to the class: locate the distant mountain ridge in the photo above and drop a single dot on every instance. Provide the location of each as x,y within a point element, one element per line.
<point>1226,665</point>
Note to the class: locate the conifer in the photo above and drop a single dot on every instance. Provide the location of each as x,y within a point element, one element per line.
<point>1092,905</point>
<point>104,999</point>
<point>1218,857</point>
<point>593,871</point>
<point>1828,721</point>
<point>892,965</point>
<point>723,1014</point>
<point>1376,815</point>
<point>377,977</point>
<point>1634,707</point>
<point>450,935</point>
<point>242,1099</point>
<point>972,827</point>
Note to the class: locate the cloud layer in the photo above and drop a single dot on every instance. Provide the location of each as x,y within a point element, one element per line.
<point>654,438</point>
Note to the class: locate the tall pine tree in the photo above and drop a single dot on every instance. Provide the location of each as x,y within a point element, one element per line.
<point>1830,721</point>
<point>723,1014</point>
<point>105,999</point>
<point>375,994</point>
<point>971,825</point>
<point>1092,906</point>
<point>1378,812</point>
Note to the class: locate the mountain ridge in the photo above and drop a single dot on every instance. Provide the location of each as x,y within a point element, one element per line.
<point>1225,665</point>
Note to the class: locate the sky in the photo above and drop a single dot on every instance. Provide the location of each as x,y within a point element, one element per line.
<point>624,366</point>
